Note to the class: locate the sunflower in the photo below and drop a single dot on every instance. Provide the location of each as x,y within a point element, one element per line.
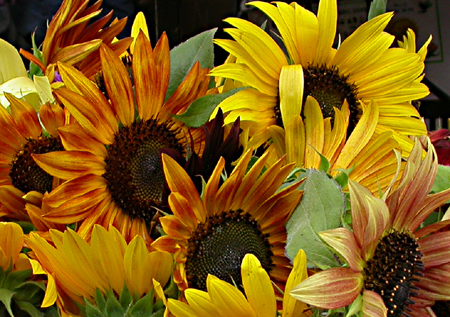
<point>223,299</point>
<point>211,234</point>
<point>397,266</point>
<point>72,39</point>
<point>76,269</point>
<point>113,163</point>
<point>363,68</point>
<point>21,180</point>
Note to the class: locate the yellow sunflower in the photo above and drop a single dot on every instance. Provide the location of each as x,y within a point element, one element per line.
<point>21,180</point>
<point>246,214</point>
<point>71,38</point>
<point>398,266</point>
<point>113,163</point>
<point>362,68</point>
<point>76,269</point>
<point>224,299</point>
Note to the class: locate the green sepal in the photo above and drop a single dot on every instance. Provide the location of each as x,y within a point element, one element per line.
<point>182,57</point>
<point>6,297</point>
<point>356,307</point>
<point>324,163</point>
<point>200,110</point>
<point>35,69</point>
<point>377,7</point>
<point>113,307</point>
<point>125,298</point>
<point>343,177</point>
<point>90,310</point>
<point>14,279</point>
<point>143,306</point>
<point>100,301</point>
<point>28,307</point>
<point>30,291</point>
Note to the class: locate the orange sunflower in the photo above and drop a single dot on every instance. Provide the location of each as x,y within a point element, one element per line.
<point>72,39</point>
<point>210,234</point>
<point>113,163</point>
<point>21,180</point>
<point>398,266</point>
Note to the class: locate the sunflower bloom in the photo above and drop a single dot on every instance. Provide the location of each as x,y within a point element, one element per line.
<point>76,269</point>
<point>113,163</point>
<point>363,68</point>
<point>224,299</point>
<point>72,39</point>
<point>397,267</point>
<point>21,180</point>
<point>212,234</point>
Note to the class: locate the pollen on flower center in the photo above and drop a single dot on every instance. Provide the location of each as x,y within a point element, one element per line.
<point>134,172</point>
<point>218,246</point>
<point>392,271</point>
<point>330,89</point>
<point>25,174</point>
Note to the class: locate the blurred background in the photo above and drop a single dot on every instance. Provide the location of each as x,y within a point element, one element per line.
<point>182,19</point>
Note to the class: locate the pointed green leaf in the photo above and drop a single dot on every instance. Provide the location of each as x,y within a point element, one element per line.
<point>100,301</point>
<point>5,297</point>
<point>35,69</point>
<point>143,306</point>
<point>92,311</point>
<point>30,291</point>
<point>113,308</point>
<point>201,109</point>
<point>377,7</point>
<point>322,207</point>
<point>184,56</point>
<point>324,164</point>
<point>442,180</point>
<point>125,298</point>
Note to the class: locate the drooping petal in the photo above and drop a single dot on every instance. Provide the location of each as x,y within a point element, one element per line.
<point>330,289</point>
<point>373,305</point>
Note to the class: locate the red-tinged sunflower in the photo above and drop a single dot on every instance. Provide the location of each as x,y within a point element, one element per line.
<point>113,163</point>
<point>246,214</point>
<point>224,299</point>
<point>22,181</point>
<point>72,38</point>
<point>363,68</point>
<point>399,267</point>
<point>77,269</point>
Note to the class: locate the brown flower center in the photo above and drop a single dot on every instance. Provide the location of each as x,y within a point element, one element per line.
<point>219,245</point>
<point>134,172</point>
<point>25,174</point>
<point>392,271</point>
<point>330,89</point>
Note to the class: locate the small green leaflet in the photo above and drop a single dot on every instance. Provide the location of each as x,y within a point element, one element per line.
<point>377,7</point>
<point>200,110</point>
<point>184,56</point>
<point>442,180</point>
<point>322,207</point>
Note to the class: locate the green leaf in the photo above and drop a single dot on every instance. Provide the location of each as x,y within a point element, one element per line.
<point>201,109</point>
<point>30,291</point>
<point>100,301</point>
<point>377,7</point>
<point>35,69</point>
<point>125,298</point>
<point>442,180</point>
<point>322,207</point>
<point>143,306</point>
<point>113,308</point>
<point>92,311</point>
<point>14,279</point>
<point>28,307</point>
<point>184,56</point>
<point>5,297</point>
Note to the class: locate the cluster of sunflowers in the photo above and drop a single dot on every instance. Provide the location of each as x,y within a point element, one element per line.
<point>296,179</point>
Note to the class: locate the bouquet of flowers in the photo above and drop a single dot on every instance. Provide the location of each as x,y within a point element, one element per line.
<point>294,179</point>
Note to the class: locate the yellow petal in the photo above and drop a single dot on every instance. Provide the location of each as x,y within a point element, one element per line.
<point>20,87</point>
<point>291,306</point>
<point>327,16</point>
<point>180,309</point>
<point>139,24</point>
<point>314,132</point>
<point>257,286</point>
<point>373,305</point>
<point>11,64</point>
<point>44,89</point>
<point>228,299</point>
<point>200,302</point>
<point>291,92</point>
